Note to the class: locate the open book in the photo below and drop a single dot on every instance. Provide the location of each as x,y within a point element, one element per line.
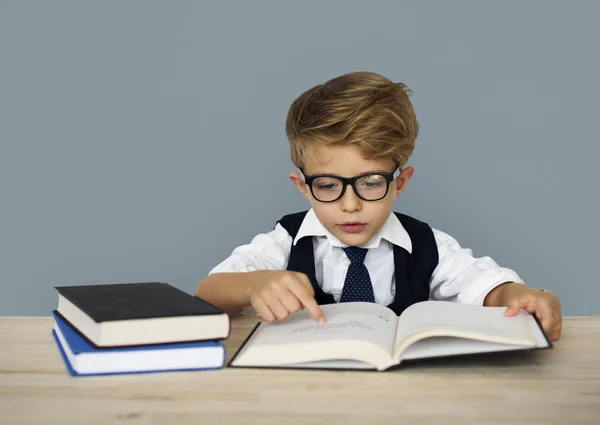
<point>370,336</point>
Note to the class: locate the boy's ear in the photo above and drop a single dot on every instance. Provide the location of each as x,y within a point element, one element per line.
<point>403,178</point>
<point>299,183</point>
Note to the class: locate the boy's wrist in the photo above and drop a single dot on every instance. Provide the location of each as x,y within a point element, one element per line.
<point>501,294</point>
<point>253,277</point>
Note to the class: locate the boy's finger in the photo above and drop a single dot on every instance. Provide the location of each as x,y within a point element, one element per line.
<point>263,310</point>
<point>552,325</point>
<point>511,311</point>
<point>306,282</point>
<point>551,322</point>
<point>289,300</point>
<point>513,307</point>
<point>278,309</point>
<point>526,302</point>
<point>557,327</point>
<point>315,310</point>
<point>308,301</point>
<point>549,327</point>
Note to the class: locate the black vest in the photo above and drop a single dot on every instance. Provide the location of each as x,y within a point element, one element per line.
<point>412,271</point>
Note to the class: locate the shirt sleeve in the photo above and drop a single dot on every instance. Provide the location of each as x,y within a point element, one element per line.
<point>266,251</point>
<point>463,278</point>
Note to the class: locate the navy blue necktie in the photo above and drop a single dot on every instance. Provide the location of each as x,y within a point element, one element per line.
<point>357,286</point>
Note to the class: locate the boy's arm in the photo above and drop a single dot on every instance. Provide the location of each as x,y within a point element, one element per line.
<point>516,296</point>
<point>463,278</point>
<point>255,274</point>
<point>274,293</point>
<point>229,291</point>
<point>503,293</point>
<point>227,284</point>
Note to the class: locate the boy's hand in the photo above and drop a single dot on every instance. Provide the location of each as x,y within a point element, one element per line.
<point>543,304</point>
<point>279,293</point>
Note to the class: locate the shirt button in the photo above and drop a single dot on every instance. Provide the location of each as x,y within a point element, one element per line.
<point>347,262</point>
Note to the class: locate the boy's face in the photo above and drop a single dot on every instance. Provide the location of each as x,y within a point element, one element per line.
<point>350,219</point>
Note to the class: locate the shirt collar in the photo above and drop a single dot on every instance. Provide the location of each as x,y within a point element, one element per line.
<point>392,230</point>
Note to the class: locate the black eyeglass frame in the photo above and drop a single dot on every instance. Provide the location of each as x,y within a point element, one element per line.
<point>389,177</point>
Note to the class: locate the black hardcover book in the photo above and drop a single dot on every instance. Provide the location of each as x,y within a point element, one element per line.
<point>126,314</point>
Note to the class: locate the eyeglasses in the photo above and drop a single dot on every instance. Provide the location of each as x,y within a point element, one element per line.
<point>368,187</point>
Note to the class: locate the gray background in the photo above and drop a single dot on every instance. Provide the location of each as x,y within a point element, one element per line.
<point>143,141</point>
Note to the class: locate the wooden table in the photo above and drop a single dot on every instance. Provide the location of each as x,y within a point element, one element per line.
<point>557,386</point>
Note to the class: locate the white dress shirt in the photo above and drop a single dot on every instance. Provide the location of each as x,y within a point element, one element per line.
<point>458,277</point>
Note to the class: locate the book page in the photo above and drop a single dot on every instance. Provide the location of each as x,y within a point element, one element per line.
<point>357,321</point>
<point>442,318</point>
<point>442,346</point>
<point>333,364</point>
<point>344,321</point>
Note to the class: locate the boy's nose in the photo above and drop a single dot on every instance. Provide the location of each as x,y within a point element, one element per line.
<point>350,201</point>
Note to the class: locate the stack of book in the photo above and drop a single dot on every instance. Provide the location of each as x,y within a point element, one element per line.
<point>137,328</point>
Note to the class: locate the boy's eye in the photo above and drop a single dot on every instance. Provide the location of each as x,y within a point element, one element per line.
<point>372,182</point>
<point>326,184</point>
<point>330,186</point>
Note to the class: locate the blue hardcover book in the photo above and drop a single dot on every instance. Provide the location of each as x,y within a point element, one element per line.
<point>83,358</point>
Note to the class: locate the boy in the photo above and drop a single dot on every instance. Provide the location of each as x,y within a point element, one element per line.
<point>350,139</point>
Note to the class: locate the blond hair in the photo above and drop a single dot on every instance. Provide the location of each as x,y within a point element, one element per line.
<point>359,108</point>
